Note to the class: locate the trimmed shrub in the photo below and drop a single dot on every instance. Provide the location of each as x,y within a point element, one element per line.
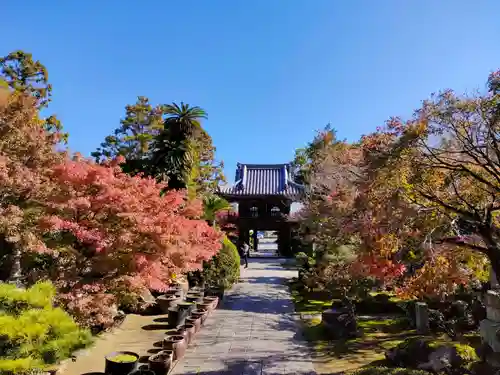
<point>34,335</point>
<point>224,268</point>
<point>466,353</point>
<point>380,303</point>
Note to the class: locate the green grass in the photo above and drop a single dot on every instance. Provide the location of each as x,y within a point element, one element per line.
<point>378,333</point>
<point>383,324</point>
<point>309,306</point>
<point>392,298</point>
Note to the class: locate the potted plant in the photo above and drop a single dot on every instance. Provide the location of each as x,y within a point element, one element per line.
<point>176,316</point>
<point>177,288</point>
<point>161,362</point>
<point>142,372</point>
<point>177,344</point>
<point>205,306</point>
<point>119,363</point>
<point>196,322</point>
<point>188,306</point>
<point>215,291</point>
<point>198,288</point>
<point>190,330</point>
<point>195,298</point>
<point>200,314</point>
<point>180,331</point>
<point>213,300</point>
<point>166,301</point>
<point>173,292</point>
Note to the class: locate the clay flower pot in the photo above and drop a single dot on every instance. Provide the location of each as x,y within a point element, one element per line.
<point>213,300</point>
<point>190,330</point>
<point>167,301</point>
<point>200,288</point>
<point>118,363</point>
<point>142,372</point>
<point>177,288</point>
<point>200,314</point>
<point>196,322</point>
<point>173,292</point>
<point>195,298</point>
<point>205,306</point>
<point>177,344</point>
<point>161,363</point>
<point>180,331</point>
<point>215,292</point>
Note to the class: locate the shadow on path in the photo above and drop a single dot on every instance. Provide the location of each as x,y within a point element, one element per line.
<point>278,364</point>
<point>254,332</point>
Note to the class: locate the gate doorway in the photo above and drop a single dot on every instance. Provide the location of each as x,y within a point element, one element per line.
<point>264,244</point>
<point>264,194</point>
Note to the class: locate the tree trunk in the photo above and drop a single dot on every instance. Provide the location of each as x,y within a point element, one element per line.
<point>494,258</point>
<point>15,270</point>
<point>493,249</point>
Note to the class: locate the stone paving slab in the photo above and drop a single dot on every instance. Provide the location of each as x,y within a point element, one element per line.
<point>254,333</point>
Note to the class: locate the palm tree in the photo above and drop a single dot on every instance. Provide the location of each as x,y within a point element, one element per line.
<point>183,120</point>
<point>213,204</point>
<point>173,153</point>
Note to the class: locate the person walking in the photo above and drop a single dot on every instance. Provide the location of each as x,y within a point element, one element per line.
<point>244,253</point>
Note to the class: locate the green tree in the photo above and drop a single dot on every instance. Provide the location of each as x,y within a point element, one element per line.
<point>212,204</point>
<point>209,172</point>
<point>132,140</point>
<point>167,142</point>
<point>175,154</point>
<point>22,73</point>
<point>306,157</point>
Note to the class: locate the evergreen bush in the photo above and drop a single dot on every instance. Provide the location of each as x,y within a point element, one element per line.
<point>35,335</point>
<point>224,268</point>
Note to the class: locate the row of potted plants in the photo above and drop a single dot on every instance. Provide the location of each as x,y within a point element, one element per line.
<point>186,316</point>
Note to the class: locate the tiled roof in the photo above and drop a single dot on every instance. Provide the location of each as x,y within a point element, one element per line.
<point>263,179</point>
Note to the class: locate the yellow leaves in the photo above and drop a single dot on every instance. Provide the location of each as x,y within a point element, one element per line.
<point>446,268</point>
<point>388,244</point>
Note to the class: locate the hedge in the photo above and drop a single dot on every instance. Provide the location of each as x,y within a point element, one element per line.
<point>224,268</point>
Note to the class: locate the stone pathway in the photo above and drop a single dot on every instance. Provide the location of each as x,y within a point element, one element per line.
<point>254,333</point>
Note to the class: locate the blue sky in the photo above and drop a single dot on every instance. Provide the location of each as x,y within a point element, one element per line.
<point>268,72</point>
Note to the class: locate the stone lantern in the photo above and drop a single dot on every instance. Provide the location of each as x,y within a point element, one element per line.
<point>490,327</point>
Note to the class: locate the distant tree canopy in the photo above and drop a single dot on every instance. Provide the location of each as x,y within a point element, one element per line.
<point>166,142</point>
<point>305,157</point>
<point>132,140</point>
<point>102,236</point>
<point>21,73</point>
<point>420,195</point>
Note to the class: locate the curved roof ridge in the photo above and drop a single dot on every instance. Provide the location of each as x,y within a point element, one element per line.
<point>263,180</point>
<point>256,166</point>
